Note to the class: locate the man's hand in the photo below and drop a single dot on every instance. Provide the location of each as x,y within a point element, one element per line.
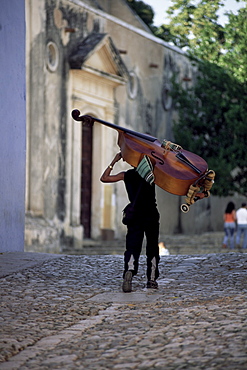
<point>117,158</point>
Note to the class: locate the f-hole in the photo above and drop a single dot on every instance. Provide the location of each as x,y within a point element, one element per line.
<point>86,178</point>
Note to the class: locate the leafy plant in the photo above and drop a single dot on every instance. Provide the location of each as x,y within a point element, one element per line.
<point>144,11</point>
<point>213,124</point>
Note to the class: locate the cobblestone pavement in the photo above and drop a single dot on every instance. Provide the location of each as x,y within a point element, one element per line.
<point>69,313</point>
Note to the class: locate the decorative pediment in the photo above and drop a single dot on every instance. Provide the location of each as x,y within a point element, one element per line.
<point>98,54</point>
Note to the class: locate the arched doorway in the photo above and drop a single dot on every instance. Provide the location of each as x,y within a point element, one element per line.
<point>86,178</point>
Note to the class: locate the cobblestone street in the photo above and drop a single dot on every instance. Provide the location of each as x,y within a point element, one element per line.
<point>69,312</point>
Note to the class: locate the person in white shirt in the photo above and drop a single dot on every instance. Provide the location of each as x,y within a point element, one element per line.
<point>241,215</point>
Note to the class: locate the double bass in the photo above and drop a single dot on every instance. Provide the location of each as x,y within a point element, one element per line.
<point>175,170</point>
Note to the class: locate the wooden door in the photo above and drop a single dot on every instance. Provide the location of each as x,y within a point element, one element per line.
<point>86,178</point>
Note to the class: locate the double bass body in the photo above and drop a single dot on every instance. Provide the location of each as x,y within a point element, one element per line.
<point>171,174</point>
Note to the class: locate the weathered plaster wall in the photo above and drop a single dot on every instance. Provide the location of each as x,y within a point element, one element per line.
<point>12,123</point>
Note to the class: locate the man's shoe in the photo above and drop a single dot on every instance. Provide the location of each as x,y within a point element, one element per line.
<point>127,283</point>
<point>152,284</point>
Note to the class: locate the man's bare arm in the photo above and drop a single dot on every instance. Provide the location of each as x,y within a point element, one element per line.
<point>107,177</point>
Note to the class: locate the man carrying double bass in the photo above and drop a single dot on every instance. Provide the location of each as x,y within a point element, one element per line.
<point>175,170</point>
<point>145,222</point>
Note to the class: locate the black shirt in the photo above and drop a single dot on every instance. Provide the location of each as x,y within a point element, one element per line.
<point>146,200</point>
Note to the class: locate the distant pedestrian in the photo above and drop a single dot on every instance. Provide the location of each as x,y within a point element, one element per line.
<point>229,225</point>
<point>241,215</point>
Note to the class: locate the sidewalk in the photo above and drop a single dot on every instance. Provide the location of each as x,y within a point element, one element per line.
<point>18,261</point>
<point>68,312</point>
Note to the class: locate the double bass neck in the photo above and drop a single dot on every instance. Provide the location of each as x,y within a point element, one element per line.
<point>89,119</point>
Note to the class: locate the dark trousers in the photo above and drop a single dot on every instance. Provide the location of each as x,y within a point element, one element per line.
<point>134,239</point>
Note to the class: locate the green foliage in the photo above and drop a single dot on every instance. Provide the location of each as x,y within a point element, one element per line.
<point>144,11</point>
<point>194,27</point>
<point>213,124</point>
<point>234,57</point>
<point>212,114</point>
